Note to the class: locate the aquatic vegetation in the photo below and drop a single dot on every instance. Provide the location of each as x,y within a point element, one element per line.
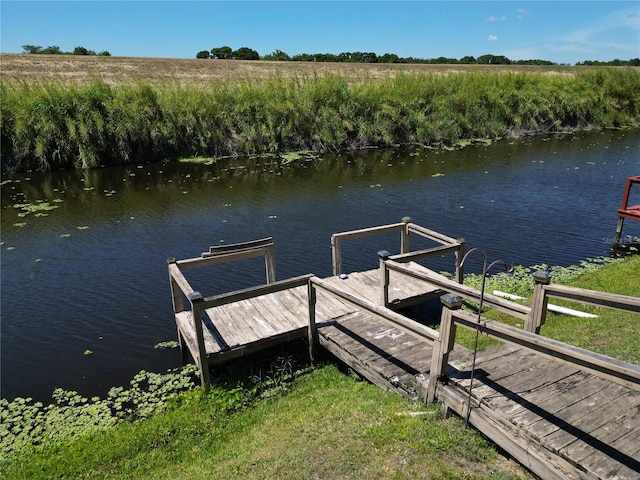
<point>24,423</point>
<point>168,344</point>
<point>38,208</point>
<point>52,125</point>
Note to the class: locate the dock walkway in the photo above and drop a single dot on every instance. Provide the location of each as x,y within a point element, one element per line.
<point>562,412</point>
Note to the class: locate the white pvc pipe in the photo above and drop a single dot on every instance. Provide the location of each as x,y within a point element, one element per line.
<point>553,308</point>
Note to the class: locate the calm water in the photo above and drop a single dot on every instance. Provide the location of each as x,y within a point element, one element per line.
<point>91,274</point>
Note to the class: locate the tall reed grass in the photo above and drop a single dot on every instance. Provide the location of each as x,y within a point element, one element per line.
<point>53,125</point>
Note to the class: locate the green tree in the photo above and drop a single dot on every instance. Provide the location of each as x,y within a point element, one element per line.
<point>245,53</point>
<point>221,53</point>
<point>443,61</point>
<point>51,50</point>
<point>389,58</point>
<point>468,60</point>
<point>278,56</point>
<point>104,53</point>
<point>203,54</point>
<point>83,51</point>
<point>32,49</point>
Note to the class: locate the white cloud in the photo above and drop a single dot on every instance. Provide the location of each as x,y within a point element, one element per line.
<point>522,13</point>
<point>602,35</point>
<point>492,38</point>
<point>496,19</point>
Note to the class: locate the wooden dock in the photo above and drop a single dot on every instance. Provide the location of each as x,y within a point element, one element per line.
<point>560,411</point>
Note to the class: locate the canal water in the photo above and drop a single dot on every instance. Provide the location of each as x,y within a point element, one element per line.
<point>85,295</point>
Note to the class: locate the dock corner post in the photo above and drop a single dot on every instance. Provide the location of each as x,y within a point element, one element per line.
<point>538,314</point>
<point>313,330</point>
<point>176,293</point>
<point>270,263</point>
<point>616,238</point>
<point>459,257</point>
<point>203,364</point>
<point>444,344</point>
<point>405,246</point>
<point>336,254</point>
<point>384,278</point>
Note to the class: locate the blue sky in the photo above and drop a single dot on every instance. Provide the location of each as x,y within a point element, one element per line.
<point>560,31</point>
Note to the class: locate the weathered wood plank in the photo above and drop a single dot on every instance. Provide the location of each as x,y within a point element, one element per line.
<point>531,387</point>
<point>626,421</point>
<point>556,408</point>
<point>537,459</point>
<point>258,318</point>
<point>213,342</point>
<point>611,461</point>
<point>268,312</point>
<point>216,318</point>
<point>364,343</point>
<point>597,410</point>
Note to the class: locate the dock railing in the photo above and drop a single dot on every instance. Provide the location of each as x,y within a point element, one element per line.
<point>181,289</point>
<point>543,290</point>
<point>406,228</point>
<point>620,372</point>
<point>388,264</point>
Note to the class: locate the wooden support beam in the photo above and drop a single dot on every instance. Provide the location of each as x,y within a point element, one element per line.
<point>444,344</point>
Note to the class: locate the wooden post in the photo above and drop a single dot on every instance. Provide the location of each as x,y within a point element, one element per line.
<point>176,293</point>
<point>384,278</point>
<point>538,314</point>
<point>270,263</point>
<point>459,267</point>
<point>405,247</point>
<point>444,344</point>
<point>336,254</point>
<point>313,330</point>
<point>203,363</point>
<point>616,238</point>
<point>178,306</point>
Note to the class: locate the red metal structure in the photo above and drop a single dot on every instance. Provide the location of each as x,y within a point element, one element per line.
<point>626,211</point>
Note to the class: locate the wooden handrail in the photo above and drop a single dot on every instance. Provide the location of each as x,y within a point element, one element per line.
<point>239,251</point>
<point>338,238</point>
<point>421,254</point>
<point>592,297</point>
<point>251,292</point>
<point>624,373</point>
<point>432,234</point>
<point>543,290</point>
<point>512,308</point>
<point>448,244</point>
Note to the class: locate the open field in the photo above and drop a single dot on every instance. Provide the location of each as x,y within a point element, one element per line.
<point>114,70</point>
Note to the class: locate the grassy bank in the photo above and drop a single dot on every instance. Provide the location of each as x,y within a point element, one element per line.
<point>289,421</point>
<point>612,333</point>
<point>52,124</point>
<point>328,425</point>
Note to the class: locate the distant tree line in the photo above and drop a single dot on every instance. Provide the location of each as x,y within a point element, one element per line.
<point>634,62</point>
<point>246,53</point>
<point>226,53</point>
<point>55,50</point>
